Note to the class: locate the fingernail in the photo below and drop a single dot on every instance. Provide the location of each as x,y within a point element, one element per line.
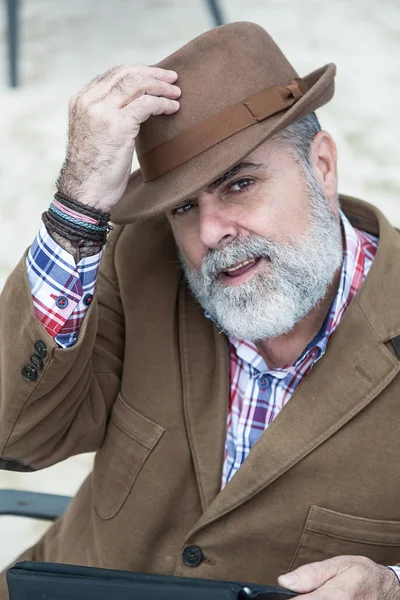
<point>290,580</point>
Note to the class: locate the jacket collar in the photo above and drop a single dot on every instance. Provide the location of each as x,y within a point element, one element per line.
<point>354,370</point>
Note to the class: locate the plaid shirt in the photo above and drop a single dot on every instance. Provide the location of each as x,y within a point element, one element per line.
<point>258,393</point>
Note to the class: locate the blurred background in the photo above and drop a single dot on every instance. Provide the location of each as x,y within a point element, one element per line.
<point>64,45</point>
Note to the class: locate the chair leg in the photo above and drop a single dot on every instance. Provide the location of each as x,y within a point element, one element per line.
<point>216,12</point>
<point>12,7</point>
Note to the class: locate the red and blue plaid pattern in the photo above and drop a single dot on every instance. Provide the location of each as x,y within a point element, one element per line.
<point>61,290</point>
<point>258,394</point>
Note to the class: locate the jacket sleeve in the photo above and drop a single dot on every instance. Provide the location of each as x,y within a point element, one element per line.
<point>61,408</point>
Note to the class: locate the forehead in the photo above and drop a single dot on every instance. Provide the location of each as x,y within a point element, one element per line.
<point>265,157</point>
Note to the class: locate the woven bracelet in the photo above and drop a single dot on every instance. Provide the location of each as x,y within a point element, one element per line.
<point>76,230</point>
<point>65,217</point>
<point>85,209</point>
<point>70,234</point>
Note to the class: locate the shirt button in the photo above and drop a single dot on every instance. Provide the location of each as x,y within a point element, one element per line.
<point>40,349</point>
<point>37,362</point>
<point>62,302</point>
<point>263,382</point>
<point>87,299</point>
<point>192,556</point>
<point>29,373</point>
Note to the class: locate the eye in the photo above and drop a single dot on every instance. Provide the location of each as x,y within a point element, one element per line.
<point>241,184</point>
<point>180,210</point>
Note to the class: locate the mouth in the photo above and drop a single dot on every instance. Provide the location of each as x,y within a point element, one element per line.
<point>240,272</point>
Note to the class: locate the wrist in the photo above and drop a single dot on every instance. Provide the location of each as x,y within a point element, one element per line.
<point>79,229</point>
<point>77,252</point>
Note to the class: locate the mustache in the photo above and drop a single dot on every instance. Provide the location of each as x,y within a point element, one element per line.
<point>239,250</point>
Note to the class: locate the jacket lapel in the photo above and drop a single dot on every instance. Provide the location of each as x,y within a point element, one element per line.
<point>205,375</point>
<point>355,369</point>
<point>351,374</point>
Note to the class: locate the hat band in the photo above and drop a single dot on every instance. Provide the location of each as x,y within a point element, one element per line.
<point>219,127</point>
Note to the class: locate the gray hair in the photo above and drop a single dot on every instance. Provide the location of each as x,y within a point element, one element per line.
<point>298,136</point>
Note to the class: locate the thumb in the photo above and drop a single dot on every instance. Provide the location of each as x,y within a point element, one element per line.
<point>310,577</point>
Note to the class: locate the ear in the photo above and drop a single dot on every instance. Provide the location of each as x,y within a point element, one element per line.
<point>324,160</point>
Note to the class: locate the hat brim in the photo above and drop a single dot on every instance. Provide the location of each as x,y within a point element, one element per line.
<point>144,200</point>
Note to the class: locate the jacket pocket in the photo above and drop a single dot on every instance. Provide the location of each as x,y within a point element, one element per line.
<point>328,533</point>
<point>129,440</point>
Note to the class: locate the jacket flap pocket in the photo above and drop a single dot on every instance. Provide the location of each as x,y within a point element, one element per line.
<point>130,438</point>
<point>328,533</point>
<point>135,425</point>
<point>355,529</point>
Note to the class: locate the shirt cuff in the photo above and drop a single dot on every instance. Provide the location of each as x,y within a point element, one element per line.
<point>396,571</point>
<point>61,290</point>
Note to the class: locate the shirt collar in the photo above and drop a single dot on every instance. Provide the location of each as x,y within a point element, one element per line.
<point>351,277</point>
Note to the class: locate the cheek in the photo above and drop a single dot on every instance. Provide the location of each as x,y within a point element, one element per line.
<point>190,246</point>
<point>281,218</point>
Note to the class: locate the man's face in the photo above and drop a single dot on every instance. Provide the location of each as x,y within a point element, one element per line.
<point>261,245</point>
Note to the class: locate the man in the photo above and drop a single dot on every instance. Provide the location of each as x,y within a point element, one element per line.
<point>244,428</point>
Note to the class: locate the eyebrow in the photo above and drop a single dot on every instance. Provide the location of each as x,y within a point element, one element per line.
<point>242,166</point>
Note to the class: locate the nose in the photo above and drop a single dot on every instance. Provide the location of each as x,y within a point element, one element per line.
<point>217,228</point>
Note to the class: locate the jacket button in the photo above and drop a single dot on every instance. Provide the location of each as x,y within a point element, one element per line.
<point>41,349</point>
<point>192,556</point>
<point>29,373</point>
<point>37,362</point>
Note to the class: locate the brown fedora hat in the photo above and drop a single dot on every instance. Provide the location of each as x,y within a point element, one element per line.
<point>238,89</point>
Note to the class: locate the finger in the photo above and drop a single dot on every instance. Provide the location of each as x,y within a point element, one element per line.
<point>146,106</point>
<point>312,576</point>
<point>120,71</point>
<point>159,73</point>
<point>131,72</point>
<point>130,88</point>
<point>103,84</point>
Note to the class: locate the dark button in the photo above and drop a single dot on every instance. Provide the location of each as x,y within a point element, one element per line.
<point>192,556</point>
<point>263,382</point>
<point>62,302</point>
<point>41,349</point>
<point>37,361</point>
<point>87,299</point>
<point>29,373</point>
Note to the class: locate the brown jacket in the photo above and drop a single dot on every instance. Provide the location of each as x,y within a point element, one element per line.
<point>147,387</point>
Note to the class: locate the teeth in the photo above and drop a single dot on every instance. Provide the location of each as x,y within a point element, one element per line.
<point>240,265</point>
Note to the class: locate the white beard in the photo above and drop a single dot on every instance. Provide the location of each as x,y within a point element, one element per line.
<point>295,280</point>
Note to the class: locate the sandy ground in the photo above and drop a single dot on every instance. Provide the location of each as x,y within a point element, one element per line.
<point>64,45</point>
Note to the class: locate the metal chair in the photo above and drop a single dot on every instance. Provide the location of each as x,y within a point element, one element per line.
<point>46,507</point>
<point>12,28</point>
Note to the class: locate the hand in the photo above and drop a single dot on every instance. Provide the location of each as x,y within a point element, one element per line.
<point>104,120</point>
<point>343,578</point>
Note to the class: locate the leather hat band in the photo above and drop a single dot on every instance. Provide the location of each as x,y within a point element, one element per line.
<point>219,127</point>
